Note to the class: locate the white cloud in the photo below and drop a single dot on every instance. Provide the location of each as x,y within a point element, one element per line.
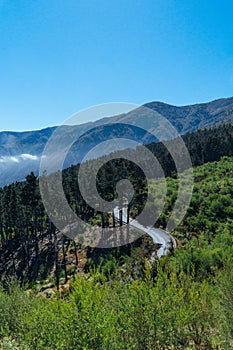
<point>19,158</point>
<point>14,159</point>
<point>28,156</point>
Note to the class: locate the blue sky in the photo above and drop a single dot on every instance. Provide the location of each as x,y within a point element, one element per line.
<point>57,57</point>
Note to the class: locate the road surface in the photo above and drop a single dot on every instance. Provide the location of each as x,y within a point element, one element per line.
<point>160,237</point>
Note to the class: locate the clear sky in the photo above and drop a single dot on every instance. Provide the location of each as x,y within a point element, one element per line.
<point>60,56</point>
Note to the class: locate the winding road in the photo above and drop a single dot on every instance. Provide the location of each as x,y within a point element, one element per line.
<point>164,240</point>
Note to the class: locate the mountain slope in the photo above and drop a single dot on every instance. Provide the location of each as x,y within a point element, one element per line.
<point>20,153</point>
<point>198,116</point>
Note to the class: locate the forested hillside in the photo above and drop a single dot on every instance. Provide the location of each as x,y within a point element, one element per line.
<point>120,298</point>
<point>182,301</point>
<point>31,248</point>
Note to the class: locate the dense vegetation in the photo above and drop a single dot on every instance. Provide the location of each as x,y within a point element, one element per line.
<point>204,145</point>
<point>182,301</point>
<point>171,311</point>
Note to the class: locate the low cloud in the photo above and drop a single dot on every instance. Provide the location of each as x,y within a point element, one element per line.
<point>28,156</point>
<point>19,158</point>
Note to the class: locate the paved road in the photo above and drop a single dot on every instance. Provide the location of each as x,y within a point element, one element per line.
<point>164,240</point>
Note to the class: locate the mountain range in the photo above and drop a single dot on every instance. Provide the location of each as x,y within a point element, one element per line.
<point>20,152</point>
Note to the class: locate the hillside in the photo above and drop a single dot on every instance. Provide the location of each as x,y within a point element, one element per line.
<point>198,116</point>
<point>28,237</point>
<point>182,301</point>
<point>31,245</point>
<point>65,295</point>
<point>20,153</point>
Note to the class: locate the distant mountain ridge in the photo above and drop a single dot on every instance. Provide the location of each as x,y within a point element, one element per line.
<point>20,152</point>
<point>198,116</point>
<point>31,142</point>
